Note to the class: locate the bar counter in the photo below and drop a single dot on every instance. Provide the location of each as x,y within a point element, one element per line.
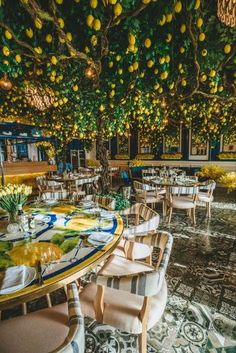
<point>26,172</point>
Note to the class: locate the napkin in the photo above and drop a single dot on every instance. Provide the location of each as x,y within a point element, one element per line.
<point>14,278</point>
<point>101,237</point>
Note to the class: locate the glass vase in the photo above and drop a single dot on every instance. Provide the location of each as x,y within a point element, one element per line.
<point>13,226</point>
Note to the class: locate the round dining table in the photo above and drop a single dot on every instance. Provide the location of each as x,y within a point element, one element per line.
<point>60,244</point>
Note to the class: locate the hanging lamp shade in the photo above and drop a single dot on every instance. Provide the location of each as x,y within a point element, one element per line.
<point>226,12</point>
<point>5,83</point>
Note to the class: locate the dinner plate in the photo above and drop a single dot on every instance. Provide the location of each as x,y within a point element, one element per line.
<point>50,202</point>
<point>30,274</point>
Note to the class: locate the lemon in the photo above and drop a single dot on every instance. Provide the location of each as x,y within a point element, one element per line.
<point>203,78</point>
<point>61,40</point>
<point>183,28</point>
<point>167,59</point>
<point>156,71</point>
<point>94,3</point>
<point>101,108</point>
<point>204,52</point>
<point>54,60</point>
<point>168,37</point>
<point>118,57</point>
<point>117,9</point>
<point>112,93</point>
<point>131,39</point>
<point>178,6</point>
<point>160,90</point>
<point>212,73</point>
<point>38,50</point>
<point>199,22</point>
<point>112,2</point>
<point>5,51</point>
<point>171,85</point>
<point>110,64</point>
<point>182,50</point>
<point>183,83</point>
<point>201,37</point>
<point>142,74</point>
<point>146,1</point>
<point>120,71</point>
<point>97,24</point>
<point>220,88</point>
<point>81,135</point>
<point>227,48</point>
<point>94,40</point>
<point>8,34</point>
<point>197,4</point>
<point>150,63</point>
<point>164,75</point>
<point>38,23</point>
<point>61,22</point>
<point>29,32</point>
<point>169,17</point>
<point>69,36</point>
<point>18,58</point>
<point>89,20</point>
<point>75,88</point>
<point>130,68</point>
<point>147,42</point>
<point>162,60</point>
<point>162,21</point>
<point>135,65</point>
<point>49,38</point>
<point>59,2</point>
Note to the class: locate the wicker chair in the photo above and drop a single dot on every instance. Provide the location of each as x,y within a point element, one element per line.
<point>150,222</point>
<point>129,295</point>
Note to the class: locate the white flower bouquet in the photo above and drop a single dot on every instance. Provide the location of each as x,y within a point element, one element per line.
<point>12,195</point>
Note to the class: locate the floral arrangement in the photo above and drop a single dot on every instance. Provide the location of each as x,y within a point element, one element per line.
<point>121,156</point>
<point>227,155</point>
<point>211,171</point>
<point>171,156</point>
<point>144,156</point>
<point>13,195</point>
<point>136,163</point>
<point>92,163</point>
<point>229,180</point>
<point>49,148</point>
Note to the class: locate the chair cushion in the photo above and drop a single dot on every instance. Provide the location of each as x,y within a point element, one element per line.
<point>140,251</point>
<point>120,266</point>
<point>39,332</point>
<point>182,202</point>
<point>202,196</point>
<point>122,308</point>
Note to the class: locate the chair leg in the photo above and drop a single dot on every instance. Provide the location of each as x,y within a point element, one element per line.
<point>142,341</point>
<point>149,260</point>
<point>194,215</point>
<point>209,210</point>
<point>170,214</point>
<point>163,208</point>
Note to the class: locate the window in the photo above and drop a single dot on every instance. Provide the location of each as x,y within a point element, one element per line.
<point>228,144</point>
<point>144,145</point>
<point>172,141</point>
<point>198,147</point>
<point>22,150</point>
<point>123,144</point>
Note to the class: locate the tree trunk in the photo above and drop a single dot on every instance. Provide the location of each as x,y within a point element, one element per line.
<point>102,156</point>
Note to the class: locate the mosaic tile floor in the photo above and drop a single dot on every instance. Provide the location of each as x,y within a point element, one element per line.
<point>200,316</point>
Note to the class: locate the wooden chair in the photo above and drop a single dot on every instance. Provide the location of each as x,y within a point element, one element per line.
<point>182,198</point>
<point>129,295</point>
<point>59,329</point>
<point>147,194</point>
<point>103,201</point>
<point>206,195</point>
<point>146,221</point>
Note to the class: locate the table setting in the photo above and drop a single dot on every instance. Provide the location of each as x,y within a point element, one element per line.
<point>63,237</point>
